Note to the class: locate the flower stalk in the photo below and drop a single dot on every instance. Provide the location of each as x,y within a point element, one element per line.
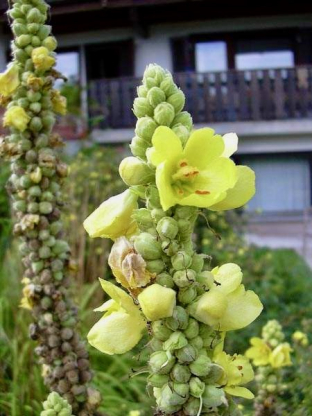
<point>35,185</point>
<point>187,309</point>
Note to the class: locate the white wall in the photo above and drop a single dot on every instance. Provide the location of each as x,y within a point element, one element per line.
<point>155,49</point>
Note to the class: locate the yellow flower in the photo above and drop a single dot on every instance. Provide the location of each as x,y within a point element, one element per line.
<point>127,265</point>
<point>59,103</point>
<point>9,80</point>
<point>237,371</point>
<point>199,175</point>
<point>27,301</point>
<point>301,338</point>
<point>227,306</point>
<point>121,327</point>
<point>16,117</point>
<point>41,59</point>
<point>112,219</point>
<point>157,302</point>
<point>280,356</point>
<point>260,352</point>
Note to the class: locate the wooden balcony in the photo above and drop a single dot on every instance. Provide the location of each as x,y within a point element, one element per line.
<point>257,95</point>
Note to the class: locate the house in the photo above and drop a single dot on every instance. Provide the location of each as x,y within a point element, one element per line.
<point>243,67</point>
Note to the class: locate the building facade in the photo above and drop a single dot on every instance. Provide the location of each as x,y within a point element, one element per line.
<point>244,68</point>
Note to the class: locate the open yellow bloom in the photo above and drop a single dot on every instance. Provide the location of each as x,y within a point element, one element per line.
<point>112,219</point>
<point>122,325</point>
<point>280,356</point>
<point>127,265</point>
<point>157,302</point>
<point>227,306</point>
<point>59,102</point>
<point>41,59</point>
<point>260,352</point>
<point>9,80</point>
<point>201,174</point>
<point>16,117</point>
<point>237,371</point>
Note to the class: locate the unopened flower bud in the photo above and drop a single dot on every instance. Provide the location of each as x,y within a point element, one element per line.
<point>192,329</point>
<point>185,119</point>
<point>155,266</point>
<point>182,132</point>
<point>186,354</point>
<point>50,43</point>
<point>197,343</point>
<point>145,128</point>
<point>146,245</point>
<point>178,320</point>
<point>44,31</point>
<point>156,96</point>
<point>192,406</point>
<point>142,91</point>
<point>213,397</point>
<point>164,279</point>
<point>181,261</point>
<point>160,330</point>
<point>168,85</point>
<point>45,207</point>
<point>155,72</point>
<point>187,295</point>
<point>170,247</point>
<point>167,227</point>
<point>164,114</point>
<point>184,278</point>
<point>34,16</point>
<point>135,172</point>
<point>197,262</point>
<point>181,373</point>
<point>143,218</point>
<point>161,362</point>
<point>176,341</point>
<point>142,107</point>
<point>163,307</point>
<point>201,366</point>
<point>158,380</point>
<point>138,147</point>
<point>216,372</point>
<point>177,100</point>
<point>197,387</point>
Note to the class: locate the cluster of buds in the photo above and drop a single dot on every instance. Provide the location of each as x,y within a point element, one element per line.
<point>55,405</point>
<point>186,308</point>
<point>31,102</point>
<point>269,354</point>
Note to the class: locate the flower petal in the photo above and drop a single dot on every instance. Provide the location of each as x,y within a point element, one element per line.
<point>229,276</point>
<point>116,333</point>
<point>166,146</point>
<point>163,181</point>
<point>239,392</point>
<point>119,296</point>
<point>241,193</point>
<point>203,147</point>
<point>157,302</point>
<point>230,144</point>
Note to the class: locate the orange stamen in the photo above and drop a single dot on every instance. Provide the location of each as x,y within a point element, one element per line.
<point>182,164</point>
<point>194,173</point>
<point>202,192</point>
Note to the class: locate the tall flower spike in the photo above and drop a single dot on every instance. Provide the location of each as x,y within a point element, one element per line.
<point>175,171</point>
<point>26,89</point>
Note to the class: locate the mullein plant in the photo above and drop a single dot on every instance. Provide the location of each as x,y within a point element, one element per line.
<point>37,175</point>
<point>270,354</point>
<point>174,172</point>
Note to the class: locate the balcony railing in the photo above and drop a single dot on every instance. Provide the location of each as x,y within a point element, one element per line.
<point>250,95</point>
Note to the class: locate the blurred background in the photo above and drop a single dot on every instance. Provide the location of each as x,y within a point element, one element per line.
<point>243,68</point>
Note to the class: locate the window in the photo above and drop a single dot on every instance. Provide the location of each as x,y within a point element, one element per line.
<point>283,184</point>
<point>264,60</point>
<point>68,65</point>
<point>211,56</point>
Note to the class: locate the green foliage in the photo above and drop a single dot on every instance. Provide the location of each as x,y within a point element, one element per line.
<point>5,215</point>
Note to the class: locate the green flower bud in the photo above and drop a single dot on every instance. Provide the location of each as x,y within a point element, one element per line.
<point>163,399</point>
<point>56,227</point>
<point>155,344</point>
<point>181,373</point>
<point>181,261</point>
<point>35,107</point>
<point>167,227</point>
<point>35,42</point>
<point>20,55</point>
<point>216,372</point>
<point>19,206</point>
<point>157,213</point>
<point>34,16</point>
<point>33,28</point>
<point>178,320</point>
<point>197,387</point>
<point>48,121</point>
<point>176,341</point>
<point>135,172</point>
<point>167,85</point>
<point>180,393</point>
<point>138,147</point>
<point>44,31</point>
<point>210,337</point>
<point>184,278</point>
<point>44,252</point>
<point>50,43</point>
<point>44,235</point>
<point>155,266</point>
<point>206,279</point>
<point>25,182</point>
<point>177,100</point>
<point>164,279</point>
<point>185,119</point>
<point>142,91</point>
<point>150,83</point>
<point>23,40</point>
<point>143,218</point>
<point>60,247</point>
<point>154,71</point>
<point>146,245</point>
<point>187,295</point>
<point>37,266</point>
<point>161,362</point>
<point>164,114</point>
<point>192,407</point>
<point>157,380</point>
<point>170,247</point>
<point>35,124</point>
<point>145,128</point>
<point>161,331</point>
<point>15,12</point>
<point>197,262</point>
<point>201,366</point>
<point>45,207</point>
<point>156,96</point>
<point>186,354</point>
<point>213,397</point>
<point>19,29</point>
<point>28,50</point>
<point>192,329</point>
<point>23,102</point>
<point>33,207</point>
<point>153,200</point>
<point>141,107</point>
<point>182,132</point>
<point>197,342</point>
